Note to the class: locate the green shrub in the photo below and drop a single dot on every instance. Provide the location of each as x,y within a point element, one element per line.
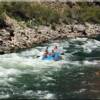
<point>35,14</point>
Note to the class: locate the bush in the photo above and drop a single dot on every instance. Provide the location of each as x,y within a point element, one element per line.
<point>35,14</point>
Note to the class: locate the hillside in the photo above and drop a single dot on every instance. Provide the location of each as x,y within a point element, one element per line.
<point>27,24</point>
<point>47,13</point>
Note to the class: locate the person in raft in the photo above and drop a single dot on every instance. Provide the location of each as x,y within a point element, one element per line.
<point>45,54</point>
<point>56,50</point>
<point>55,54</point>
<point>49,55</point>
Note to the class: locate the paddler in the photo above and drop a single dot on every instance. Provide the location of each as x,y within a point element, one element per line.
<point>45,54</point>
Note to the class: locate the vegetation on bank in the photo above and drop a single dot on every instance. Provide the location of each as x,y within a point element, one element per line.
<point>51,13</point>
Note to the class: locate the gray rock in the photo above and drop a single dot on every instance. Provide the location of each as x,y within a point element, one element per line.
<point>79,28</point>
<point>3,32</point>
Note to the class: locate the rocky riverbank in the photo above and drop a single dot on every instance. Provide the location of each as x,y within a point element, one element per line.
<point>15,35</point>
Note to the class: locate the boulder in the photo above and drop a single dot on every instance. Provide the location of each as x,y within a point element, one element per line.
<point>79,28</point>
<point>3,32</point>
<point>43,29</point>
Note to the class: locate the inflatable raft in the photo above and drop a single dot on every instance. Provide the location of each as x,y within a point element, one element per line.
<point>55,57</point>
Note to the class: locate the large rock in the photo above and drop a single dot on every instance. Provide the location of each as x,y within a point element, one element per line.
<point>79,28</point>
<point>3,32</point>
<point>92,29</point>
<point>43,29</point>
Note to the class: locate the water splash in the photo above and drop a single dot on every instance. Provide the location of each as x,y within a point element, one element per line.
<point>23,75</point>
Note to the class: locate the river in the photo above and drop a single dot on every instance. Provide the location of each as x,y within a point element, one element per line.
<point>77,76</point>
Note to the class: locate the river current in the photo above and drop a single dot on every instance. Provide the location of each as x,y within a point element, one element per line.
<point>77,76</point>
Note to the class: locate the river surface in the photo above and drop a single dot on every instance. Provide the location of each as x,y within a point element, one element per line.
<point>77,76</point>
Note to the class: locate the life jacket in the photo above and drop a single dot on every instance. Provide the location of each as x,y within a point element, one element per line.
<point>57,56</point>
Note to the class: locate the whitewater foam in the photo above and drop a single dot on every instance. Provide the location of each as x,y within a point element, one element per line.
<point>15,65</point>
